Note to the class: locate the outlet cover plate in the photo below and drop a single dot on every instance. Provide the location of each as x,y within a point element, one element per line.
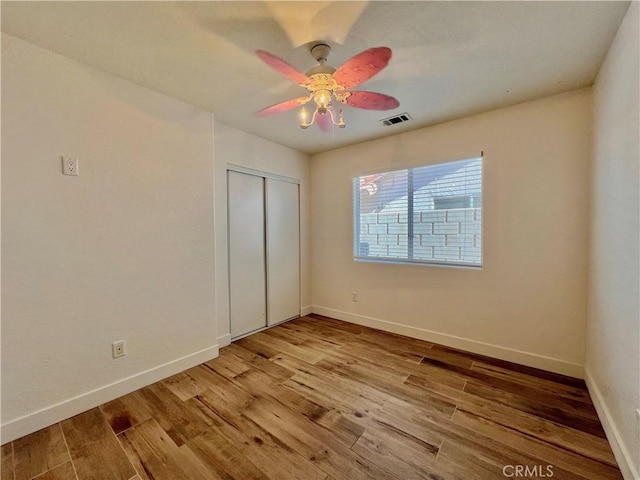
<point>70,166</point>
<point>118,349</point>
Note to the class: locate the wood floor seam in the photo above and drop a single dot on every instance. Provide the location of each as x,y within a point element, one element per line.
<point>128,428</point>
<point>13,461</point>
<point>48,470</point>
<point>75,472</point>
<point>118,442</point>
<point>454,412</point>
<point>538,439</point>
<point>524,433</point>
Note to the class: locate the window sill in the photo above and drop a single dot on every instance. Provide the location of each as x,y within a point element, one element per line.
<point>398,261</point>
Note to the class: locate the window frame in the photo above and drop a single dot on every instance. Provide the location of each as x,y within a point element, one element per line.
<point>356,224</point>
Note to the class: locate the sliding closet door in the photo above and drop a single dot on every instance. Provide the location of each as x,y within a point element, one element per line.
<point>283,250</point>
<point>247,260</point>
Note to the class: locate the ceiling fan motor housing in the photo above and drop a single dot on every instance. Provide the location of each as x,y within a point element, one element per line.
<point>320,52</point>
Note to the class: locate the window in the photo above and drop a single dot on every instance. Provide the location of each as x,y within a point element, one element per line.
<point>425,215</point>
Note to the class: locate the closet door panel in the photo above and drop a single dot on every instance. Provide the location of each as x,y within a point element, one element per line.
<point>283,250</point>
<point>247,256</point>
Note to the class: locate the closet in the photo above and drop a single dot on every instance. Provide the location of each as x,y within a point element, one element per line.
<point>264,250</point>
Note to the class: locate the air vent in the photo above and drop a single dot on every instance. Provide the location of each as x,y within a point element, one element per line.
<point>403,117</point>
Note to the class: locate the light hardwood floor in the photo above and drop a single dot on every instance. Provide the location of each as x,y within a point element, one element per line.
<point>320,399</point>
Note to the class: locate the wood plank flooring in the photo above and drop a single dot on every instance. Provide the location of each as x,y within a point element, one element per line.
<point>320,399</point>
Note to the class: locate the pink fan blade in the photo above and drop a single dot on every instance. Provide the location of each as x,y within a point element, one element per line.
<point>372,101</point>
<point>362,67</point>
<point>323,121</point>
<point>283,67</point>
<point>282,106</point>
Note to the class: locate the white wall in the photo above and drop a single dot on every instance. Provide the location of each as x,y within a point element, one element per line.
<point>124,251</point>
<point>233,146</point>
<point>613,333</point>
<point>528,303</point>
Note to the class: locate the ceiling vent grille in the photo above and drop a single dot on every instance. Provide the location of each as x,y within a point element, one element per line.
<point>400,118</point>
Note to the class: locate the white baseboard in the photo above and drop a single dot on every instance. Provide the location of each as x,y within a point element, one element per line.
<point>224,340</point>
<point>304,311</point>
<point>35,421</point>
<point>473,346</point>
<point>613,435</point>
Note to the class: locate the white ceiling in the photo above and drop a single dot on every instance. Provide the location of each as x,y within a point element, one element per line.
<point>450,59</point>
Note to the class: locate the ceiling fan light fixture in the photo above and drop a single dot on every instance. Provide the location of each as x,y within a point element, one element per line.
<point>328,86</point>
<point>303,118</point>
<point>322,98</point>
<point>326,112</point>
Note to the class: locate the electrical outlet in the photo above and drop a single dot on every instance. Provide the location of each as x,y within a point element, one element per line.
<point>354,296</point>
<point>70,166</point>
<point>118,349</point>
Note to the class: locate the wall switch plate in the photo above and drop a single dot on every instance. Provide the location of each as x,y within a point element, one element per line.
<point>70,166</point>
<point>638,423</point>
<point>354,296</point>
<point>118,349</point>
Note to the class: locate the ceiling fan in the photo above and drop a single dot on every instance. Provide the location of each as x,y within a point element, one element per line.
<point>328,86</point>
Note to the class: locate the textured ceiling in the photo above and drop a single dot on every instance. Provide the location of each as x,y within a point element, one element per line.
<point>450,59</point>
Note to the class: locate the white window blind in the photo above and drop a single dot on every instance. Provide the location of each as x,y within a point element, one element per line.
<point>429,215</point>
